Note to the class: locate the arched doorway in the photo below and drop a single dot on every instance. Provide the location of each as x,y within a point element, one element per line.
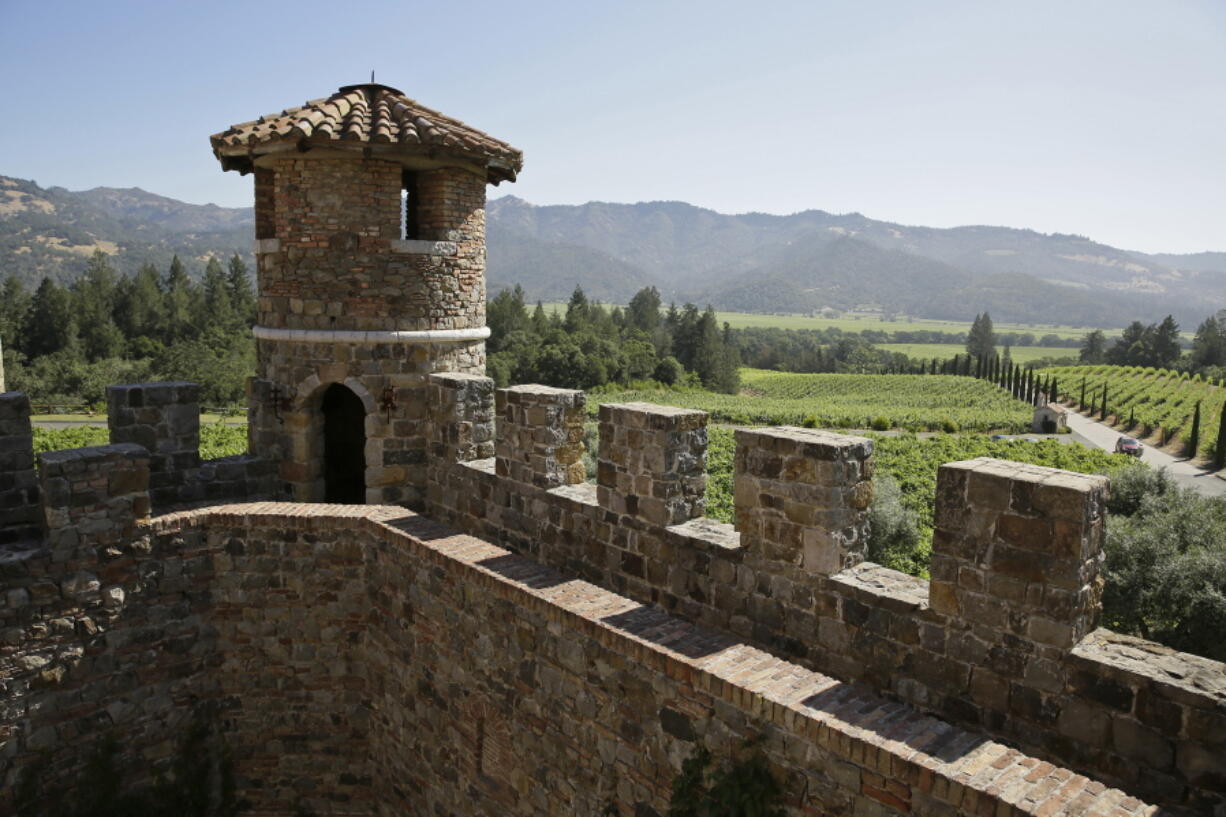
<point>344,466</point>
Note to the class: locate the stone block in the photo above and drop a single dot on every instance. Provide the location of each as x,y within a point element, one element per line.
<point>540,435</point>
<point>802,497</point>
<point>1035,537</point>
<point>652,462</point>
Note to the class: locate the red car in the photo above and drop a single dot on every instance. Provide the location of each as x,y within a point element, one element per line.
<point>1129,446</point>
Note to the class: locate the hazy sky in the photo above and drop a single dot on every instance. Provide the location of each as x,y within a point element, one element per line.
<point>1105,118</point>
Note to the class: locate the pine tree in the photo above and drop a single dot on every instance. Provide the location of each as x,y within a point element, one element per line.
<point>981,340</point>
<point>242,296</point>
<point>1166,349</point>
<point>1194,437</point>
<point>15,304</point>
<point>141,308</point>
<point>181,299</point>
<point>94,296</point>
<point>53,321</point>
<point>218,305</point>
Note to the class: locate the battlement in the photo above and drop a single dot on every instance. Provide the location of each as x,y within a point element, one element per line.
<point>776,615</point>
<point>155,440</point>
<point>1003,638</point>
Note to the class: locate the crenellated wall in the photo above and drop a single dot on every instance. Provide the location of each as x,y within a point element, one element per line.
<point>1003,639</point>
<point>367,660</point>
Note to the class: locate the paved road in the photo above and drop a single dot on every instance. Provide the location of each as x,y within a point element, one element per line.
<point>1094,434</point>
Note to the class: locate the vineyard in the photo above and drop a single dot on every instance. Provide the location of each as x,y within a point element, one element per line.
<point>913,402</point>
<point>1147,401</point>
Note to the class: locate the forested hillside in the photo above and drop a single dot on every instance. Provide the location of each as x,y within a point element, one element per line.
<point>54,232</point>
<point>814,259</point>
<point>798,263</point>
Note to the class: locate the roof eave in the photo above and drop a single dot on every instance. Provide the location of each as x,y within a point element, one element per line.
<point>242,157</point>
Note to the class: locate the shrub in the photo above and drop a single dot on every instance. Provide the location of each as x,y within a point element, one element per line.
<point>949,426</point>
<point>1166,571</point>
<point>1130,486</point>
<point>881,424</point>
<point>894,538</point>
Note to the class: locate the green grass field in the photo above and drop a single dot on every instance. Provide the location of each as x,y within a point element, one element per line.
<point>944,351</point>
<point>854,323</point>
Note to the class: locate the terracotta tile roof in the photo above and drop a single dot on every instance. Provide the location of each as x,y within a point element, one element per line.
<point>367,116</point>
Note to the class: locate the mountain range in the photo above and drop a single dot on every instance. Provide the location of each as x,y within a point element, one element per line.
<point>753,262</point>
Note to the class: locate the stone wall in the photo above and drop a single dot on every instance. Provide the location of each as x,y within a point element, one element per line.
<point>164,418</point>
<point>344,300</point>
<point>1003,640</point>
<point>20,518</point>
<point>103,629</point>
<point>370,661</point>
<point>336,261</point>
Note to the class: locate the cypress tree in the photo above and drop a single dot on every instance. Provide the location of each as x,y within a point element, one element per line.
<point>1104,401</point>
<point>1219,447</point>
<point>1194,437</point>
<point>1081,404</point>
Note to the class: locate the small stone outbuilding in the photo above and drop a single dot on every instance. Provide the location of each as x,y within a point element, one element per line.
<point>1050,418</point>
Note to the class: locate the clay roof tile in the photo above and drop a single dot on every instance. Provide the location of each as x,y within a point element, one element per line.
<point>367,113</point>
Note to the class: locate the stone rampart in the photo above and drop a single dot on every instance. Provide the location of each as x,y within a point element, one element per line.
<point>1002,640</point>
<point>372,661</point>
<point>377,636</point>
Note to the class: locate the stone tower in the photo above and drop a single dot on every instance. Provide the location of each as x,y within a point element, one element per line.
<point>370,250</point>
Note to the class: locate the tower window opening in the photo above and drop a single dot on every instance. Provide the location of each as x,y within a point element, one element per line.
<point>409,202</point>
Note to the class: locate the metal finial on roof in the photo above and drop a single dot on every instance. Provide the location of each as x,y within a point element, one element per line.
<point>372,76</point>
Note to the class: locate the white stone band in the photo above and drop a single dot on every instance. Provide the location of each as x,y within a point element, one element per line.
<point>374,336</point>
